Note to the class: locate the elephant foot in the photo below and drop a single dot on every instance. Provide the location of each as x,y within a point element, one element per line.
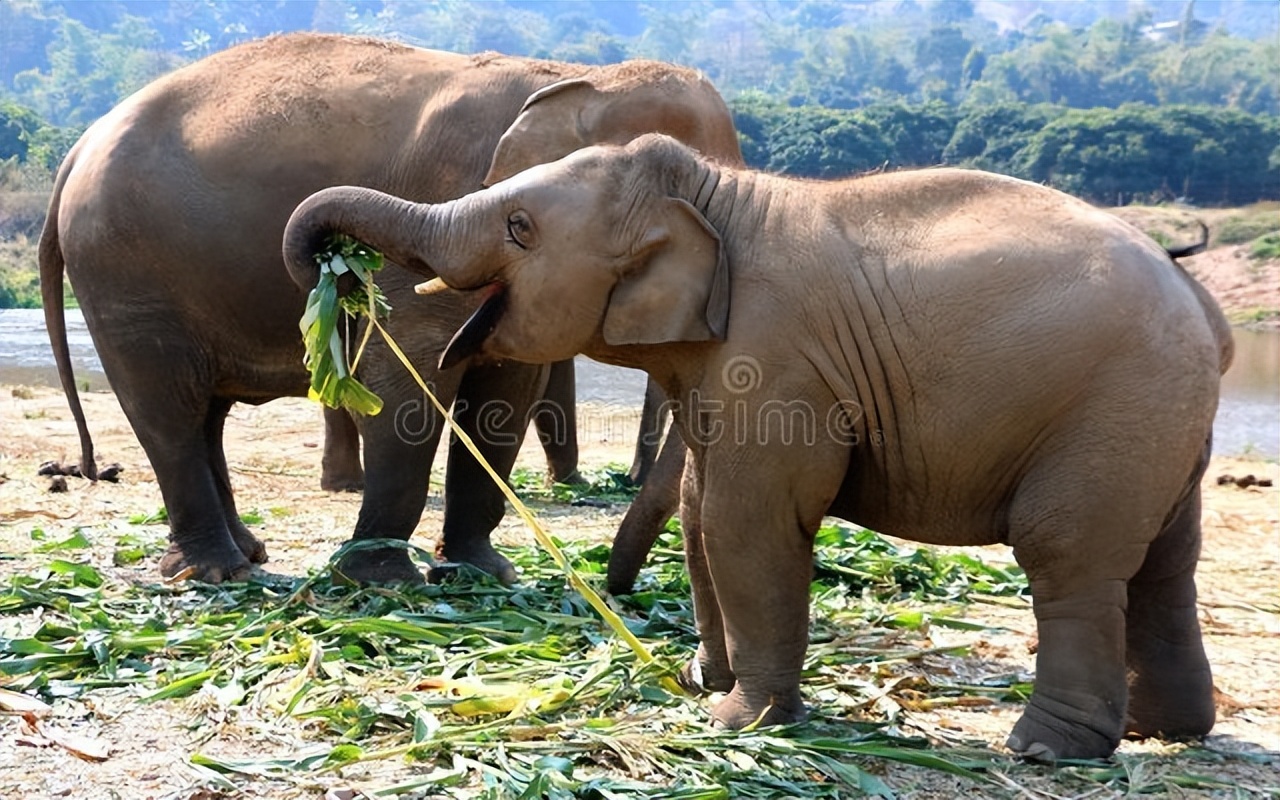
<point>737,711</point>
<point>342,476</point>
<point>251,546</point>
<point>342,482</point>
<point>1174,704</point>
<point>175,563</point>
<point>381,566</point>
<point>479,554</point>
<point>572,478</point>
<point>1043,737</point>
<point>702,676</point>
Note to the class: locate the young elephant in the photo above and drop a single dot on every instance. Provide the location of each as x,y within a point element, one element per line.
<point>948,356</point>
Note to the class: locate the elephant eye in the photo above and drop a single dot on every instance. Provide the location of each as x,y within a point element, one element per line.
<point>520,229</point>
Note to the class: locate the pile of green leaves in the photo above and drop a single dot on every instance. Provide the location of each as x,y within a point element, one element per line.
<point>510,692</point>
<point>864,560</point>
<point>332,375</point>
<point>606,486</point>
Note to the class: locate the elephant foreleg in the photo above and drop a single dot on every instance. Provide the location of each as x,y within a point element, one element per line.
<point>759,516</point>
<point>399,447</point>
<point>494,403</point>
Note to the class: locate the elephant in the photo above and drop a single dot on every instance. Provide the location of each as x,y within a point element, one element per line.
<point>647,517</point>
<point>167,217</point>
<point>943,355</point>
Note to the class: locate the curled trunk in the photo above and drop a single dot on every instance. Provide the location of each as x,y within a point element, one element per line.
<point>385,223</point>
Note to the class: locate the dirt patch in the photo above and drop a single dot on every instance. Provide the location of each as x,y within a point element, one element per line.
<point>275,452</point>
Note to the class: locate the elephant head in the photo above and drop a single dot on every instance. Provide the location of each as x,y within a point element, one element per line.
<point>599,248</point>
<point>613,105</point>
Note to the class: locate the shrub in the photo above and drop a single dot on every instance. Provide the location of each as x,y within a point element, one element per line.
<point>1241,228</point>
<point>1266,247</point>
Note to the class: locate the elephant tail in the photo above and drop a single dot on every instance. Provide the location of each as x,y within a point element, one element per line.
<point>52,272</point>
<point>1176,253</point>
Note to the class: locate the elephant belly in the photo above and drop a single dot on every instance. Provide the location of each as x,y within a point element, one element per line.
<point>909,512</point>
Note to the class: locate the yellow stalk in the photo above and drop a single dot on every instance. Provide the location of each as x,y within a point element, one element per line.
<point>575,580</point>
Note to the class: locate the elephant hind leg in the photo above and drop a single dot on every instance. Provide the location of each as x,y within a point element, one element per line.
<point>1170,684</point>
<point>1077,539</point>
<point>647,517</point>
<point>555,416</point>
<point>191,471</point>
<point>340,469</point>
<point>215,421</point>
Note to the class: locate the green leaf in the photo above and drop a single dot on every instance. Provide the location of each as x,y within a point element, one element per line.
<point>76,541</point>
<point>332,381</point>
<point>344,754</point>
<point>183,686</point>
<point>81,574</point>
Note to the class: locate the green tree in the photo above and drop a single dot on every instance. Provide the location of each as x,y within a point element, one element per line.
<point>917,135</point>
<point>672,31</point>
<point>990,136</point>
<point>1223,70</point>
<point>1211,156</point>
<point>940,57</point>
<point>90,72</point>
<point>17,125</point>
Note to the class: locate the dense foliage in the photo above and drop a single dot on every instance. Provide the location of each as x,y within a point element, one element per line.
<point>1209,156</point>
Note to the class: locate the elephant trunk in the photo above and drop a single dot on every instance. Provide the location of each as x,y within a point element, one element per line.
<point>388,224</point>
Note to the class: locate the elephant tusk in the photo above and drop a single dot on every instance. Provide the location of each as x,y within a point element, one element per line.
<point>433,286</point>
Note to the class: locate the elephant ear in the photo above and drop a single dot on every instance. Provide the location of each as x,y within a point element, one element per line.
<point>548,127</point>
<point>679,289</point>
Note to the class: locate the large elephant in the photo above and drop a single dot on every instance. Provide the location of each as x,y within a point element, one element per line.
<point>947,356</point>
<point>167,216</point>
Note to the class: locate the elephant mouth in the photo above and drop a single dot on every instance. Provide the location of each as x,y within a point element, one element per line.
<point>471,336</point>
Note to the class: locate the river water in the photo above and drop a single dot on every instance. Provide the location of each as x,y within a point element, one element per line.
<point>1248,417</point>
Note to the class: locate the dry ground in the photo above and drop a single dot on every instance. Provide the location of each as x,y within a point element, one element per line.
<point>274,450</point>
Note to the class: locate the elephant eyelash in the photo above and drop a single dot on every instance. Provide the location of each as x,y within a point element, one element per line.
<point>520,229</point>
<point>511,236</point>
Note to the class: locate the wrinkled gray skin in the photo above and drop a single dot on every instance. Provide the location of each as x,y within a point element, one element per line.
<point>168,214</point>
<point>967,359</point>
<point>647,516</point>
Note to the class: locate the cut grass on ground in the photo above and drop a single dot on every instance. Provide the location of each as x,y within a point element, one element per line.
<point>517,692</point>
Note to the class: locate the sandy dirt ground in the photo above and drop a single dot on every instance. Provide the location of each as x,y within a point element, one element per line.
<point>275,453</point>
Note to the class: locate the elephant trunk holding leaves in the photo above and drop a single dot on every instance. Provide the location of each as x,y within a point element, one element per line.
<point>947,356</point>
<point>167,217</point>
